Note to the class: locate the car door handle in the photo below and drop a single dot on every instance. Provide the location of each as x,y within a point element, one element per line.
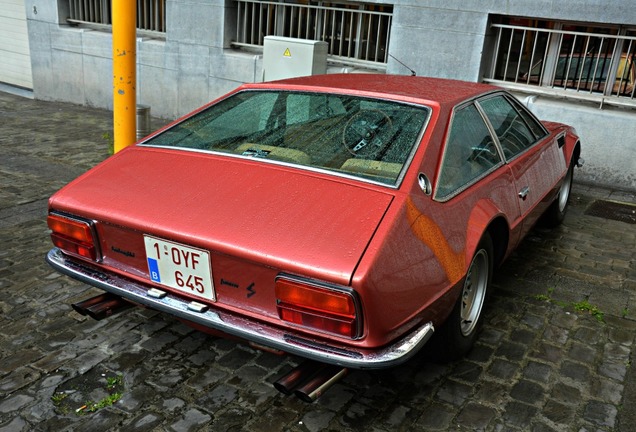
<point>523,193</point>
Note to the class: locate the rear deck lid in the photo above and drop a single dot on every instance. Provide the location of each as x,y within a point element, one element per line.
<point>290,219</point>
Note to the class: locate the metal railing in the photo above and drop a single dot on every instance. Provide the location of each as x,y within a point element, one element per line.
<point>353,31</point>
<point>591,66</point>
<point>151,14</point>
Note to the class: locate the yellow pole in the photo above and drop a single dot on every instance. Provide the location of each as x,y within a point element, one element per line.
<point>124,73</point>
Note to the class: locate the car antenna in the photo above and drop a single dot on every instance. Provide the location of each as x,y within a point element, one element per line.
<point>394,58</point>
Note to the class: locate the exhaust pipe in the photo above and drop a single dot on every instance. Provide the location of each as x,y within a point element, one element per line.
<point>309,380</point>
<point>320,383</point>
<point>301,373</point>
<point>102,306</point>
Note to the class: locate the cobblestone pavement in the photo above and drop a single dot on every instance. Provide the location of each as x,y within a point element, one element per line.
<point>555,353</point>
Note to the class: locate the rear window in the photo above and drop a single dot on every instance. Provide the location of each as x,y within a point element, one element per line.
<point>372,139</point>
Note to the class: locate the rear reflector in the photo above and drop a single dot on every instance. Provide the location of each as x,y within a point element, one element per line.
<point>316,307</point>
<point>73,236</point>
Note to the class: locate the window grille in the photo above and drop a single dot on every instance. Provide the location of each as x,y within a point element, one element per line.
<point>354,31</point>
<point>151,14</point>
<point>583,63</point>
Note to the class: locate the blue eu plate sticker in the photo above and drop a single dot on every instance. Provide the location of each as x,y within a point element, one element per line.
<point>154,270</point>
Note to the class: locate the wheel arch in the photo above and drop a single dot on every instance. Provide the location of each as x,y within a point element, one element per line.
<point>576,153</point>
<point>572,148</point>
<point>486,218</point>
<point>499,232</point>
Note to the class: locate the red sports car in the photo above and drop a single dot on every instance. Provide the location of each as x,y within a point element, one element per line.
<point>341,218</point>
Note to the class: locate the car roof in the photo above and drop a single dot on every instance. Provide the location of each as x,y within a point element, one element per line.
<point>445,92</point>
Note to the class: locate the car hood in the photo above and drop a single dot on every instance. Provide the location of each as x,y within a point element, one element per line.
<point>291,219</point>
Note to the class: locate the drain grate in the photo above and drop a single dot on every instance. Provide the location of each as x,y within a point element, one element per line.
<point>613,210</point>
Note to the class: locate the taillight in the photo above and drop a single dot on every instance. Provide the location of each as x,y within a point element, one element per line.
<point>320,308</point>
<point>74,236</point>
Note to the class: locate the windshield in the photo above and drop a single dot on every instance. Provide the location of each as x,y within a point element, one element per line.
<point>368,138</point>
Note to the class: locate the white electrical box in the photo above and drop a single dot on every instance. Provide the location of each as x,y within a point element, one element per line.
<point>285,57</point>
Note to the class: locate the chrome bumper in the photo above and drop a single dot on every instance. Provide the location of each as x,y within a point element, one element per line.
<point>235,325</point>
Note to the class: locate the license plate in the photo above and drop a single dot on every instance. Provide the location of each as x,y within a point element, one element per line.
<point>181,267</point>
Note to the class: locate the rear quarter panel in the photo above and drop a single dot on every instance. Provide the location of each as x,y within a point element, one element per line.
<point>418,258</point>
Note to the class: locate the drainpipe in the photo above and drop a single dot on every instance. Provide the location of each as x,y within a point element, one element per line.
<point>124,72</point>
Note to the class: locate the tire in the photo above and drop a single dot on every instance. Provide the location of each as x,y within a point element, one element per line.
<point>457,335</point>
<point>555,214</point>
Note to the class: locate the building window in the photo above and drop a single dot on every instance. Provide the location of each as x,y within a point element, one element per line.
<point>582,61</point>
<point>354,31</point>
<point>151,14</point>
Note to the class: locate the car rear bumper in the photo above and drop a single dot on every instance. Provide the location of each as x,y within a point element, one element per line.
<point>235,325</point>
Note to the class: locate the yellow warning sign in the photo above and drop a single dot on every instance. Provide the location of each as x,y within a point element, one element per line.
<point>287,53</point>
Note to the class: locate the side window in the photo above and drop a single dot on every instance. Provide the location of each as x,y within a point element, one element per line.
<point>511,129</point>
<point>470,151</point>
<point>535,126</point>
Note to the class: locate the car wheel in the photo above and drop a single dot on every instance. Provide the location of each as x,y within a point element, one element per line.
<point>458,334</point>
<point>556,212</point>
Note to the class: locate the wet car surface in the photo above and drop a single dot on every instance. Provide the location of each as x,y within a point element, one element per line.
<point>344,219</point>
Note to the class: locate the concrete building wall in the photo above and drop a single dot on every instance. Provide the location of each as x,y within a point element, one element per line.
<point>607,138</point>
<point>195,64</point>
<point>447,38</point>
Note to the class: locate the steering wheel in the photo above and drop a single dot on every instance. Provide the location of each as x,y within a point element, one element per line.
<point>484,154</point>
<point>367,132</point>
